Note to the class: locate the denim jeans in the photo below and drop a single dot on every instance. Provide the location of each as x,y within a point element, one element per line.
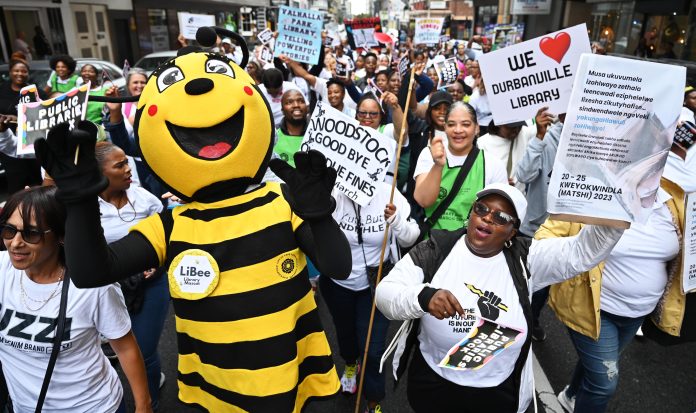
<point>147,327</point>
<point>350,311</point>
<point>597,371</point>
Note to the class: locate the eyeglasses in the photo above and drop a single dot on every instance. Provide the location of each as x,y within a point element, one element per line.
<point>363,114</point>
<point>498,217</point>
<point>31,236</point>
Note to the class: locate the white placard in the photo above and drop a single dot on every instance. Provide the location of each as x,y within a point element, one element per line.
<point>689,247</point>
<point>265,36</point>
<point>428,30</point>
<point>189,23</point>
<point>522,78</point>
<point>361,156</point>
<point>617,133</point>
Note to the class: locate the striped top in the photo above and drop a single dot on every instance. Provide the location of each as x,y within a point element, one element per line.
<point>256,342</point>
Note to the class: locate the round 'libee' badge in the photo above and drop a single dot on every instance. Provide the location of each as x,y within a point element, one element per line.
<point>193,274</point>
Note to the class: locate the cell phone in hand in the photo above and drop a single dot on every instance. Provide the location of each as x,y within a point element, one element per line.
<point>685,135</point>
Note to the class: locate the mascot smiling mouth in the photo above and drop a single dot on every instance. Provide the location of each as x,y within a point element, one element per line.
<point>213,142</point>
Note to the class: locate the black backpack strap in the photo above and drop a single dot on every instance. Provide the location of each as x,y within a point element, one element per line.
<point>516,258</point>
<point>430,221</point>
<point>57,340</point>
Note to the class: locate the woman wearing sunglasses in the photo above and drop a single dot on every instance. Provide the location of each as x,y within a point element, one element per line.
<point>370,114</point>
<point>122,205</point>
<point>33,271</point>
<point>468,293</point>
<point>440,164</point>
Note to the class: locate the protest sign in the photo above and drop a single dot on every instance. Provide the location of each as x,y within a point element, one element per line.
<point>189,23</point>
<point>524,77</point>
<point>483,343</point>
<point>428,30</point>
<point>689,247</point>
<point>342,68</point>
<point>299,34</point>
<point>36,118</point>
<point>361,156</point>
<point>447,72</point>
<point>404,65</point>
<point>685,136</point>
<point>265,36</point>
<point>361,32</point>
<point>28,94</point>
<point>265,54</point>
<point>617,133</point>
<point>503,35</point>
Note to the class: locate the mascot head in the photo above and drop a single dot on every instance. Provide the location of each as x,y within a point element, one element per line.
<point>204,128</point>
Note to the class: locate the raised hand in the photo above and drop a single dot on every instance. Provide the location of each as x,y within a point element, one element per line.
<point>488,305</point>
<point>437,150</point>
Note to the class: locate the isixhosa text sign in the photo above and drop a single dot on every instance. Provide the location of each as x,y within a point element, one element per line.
<point>522,78</point>
<point>617,134</point>
<point>299,34</point>
<point>361,156</point>
<point>36,118</point>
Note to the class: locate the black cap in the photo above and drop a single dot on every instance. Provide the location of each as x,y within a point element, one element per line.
<point>438,97</point>
<point>509,125</point>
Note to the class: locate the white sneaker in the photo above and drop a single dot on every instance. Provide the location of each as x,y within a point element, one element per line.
<point>162,380</point>
<point>349,379</point>
<point>566,402</point>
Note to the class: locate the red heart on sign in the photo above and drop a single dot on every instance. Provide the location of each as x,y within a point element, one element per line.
<point>557,47</point>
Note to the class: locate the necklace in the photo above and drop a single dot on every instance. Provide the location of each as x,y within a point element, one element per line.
<point>118,211</point>
<point>42,303</point>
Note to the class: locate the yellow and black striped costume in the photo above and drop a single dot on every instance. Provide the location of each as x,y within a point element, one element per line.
<point>256,342</point>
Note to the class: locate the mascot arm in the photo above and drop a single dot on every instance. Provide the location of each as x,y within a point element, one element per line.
<point>92,262</point>
<point>326,245</point>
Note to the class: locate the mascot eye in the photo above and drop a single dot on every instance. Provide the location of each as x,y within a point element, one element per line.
<point>218,66</point>
<point>169,77</point>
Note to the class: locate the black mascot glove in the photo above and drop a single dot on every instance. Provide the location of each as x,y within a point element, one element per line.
<point>76,182</point>
<point>310,184</point>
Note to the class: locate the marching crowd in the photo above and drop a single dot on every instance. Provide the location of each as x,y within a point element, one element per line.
<point>470,245</point>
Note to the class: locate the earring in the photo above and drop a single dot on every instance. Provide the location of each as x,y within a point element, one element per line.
<point>508,243</point>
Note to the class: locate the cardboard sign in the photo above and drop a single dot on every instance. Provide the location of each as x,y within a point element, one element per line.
<point>617,133</point>
<point>299,34</point>
<point>265,36</point>
<point>524,77</point>
<point>428,30</point>
<point>404,65</point>
<point>361,156</point>
<point>483,343</point>
<point>342,68</point>
<point>265,54</point>
<point>29,94</point>
<point>189,23</point>
<point>35,119</point>
<point>447,72</point>
<point>689,247</point>
<point>361,32</point>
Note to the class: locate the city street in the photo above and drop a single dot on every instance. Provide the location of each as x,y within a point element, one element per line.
<point>653,379</point>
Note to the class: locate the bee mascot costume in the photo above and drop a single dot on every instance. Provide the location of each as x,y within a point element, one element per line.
<point>249,333</point>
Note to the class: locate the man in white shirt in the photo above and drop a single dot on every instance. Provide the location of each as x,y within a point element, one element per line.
<point>273,86</point>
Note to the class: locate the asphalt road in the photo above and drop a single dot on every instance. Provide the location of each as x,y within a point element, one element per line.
<point>652,378</point>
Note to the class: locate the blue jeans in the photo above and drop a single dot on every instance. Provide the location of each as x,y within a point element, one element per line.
<point>147,327</point>
<point>597,372</point>
<point>350,311</point>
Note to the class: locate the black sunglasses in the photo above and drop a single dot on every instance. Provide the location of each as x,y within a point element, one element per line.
<point>497,217</point>
<point>31,236</point>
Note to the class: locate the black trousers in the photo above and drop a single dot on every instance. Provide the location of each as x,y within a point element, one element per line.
<point>427,392</point>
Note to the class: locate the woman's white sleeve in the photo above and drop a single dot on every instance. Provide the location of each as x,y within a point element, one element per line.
<point>553,260</point>
<point>405,229</point>
<point>8,143</point>
<point>397,293</point>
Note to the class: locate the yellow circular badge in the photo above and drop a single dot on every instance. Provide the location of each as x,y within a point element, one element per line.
<point>193,274</point>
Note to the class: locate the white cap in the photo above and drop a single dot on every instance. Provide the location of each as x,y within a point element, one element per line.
<point>511,193</point>
<point>226,40</point>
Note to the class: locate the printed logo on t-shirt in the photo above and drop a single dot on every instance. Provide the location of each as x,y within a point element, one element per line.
<point>19,325</point>
<point>442,194</point>
<point>286,265</point>
<point>488,303</point>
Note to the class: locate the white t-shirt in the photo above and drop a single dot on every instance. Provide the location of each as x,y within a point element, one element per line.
<point>275,101</point>
<point>479,102</point>
<point>466,276</point>
<point>493,169</point>
<point>372,224</point>
<point>117,222</point>
<point>83,379</point>
<point>499,147</point>
<point>635,274</point>
<point>323,92</point>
